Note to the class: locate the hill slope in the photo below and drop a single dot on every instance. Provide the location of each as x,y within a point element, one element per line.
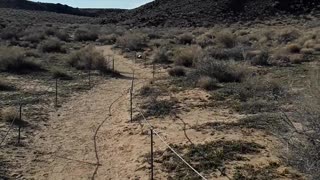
<point>37,6</point>
<point>209,12</point>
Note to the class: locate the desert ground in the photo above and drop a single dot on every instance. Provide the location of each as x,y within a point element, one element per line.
<point>234,100</point>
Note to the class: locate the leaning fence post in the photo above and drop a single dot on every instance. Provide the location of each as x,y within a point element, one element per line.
<point>151,158</point>
<point>131,94</point>
<point>56,102</point>
<point>19,123</point>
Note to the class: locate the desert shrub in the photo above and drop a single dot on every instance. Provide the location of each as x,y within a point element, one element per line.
<point>187,56</point>
<point>85,35</point>
<point>309,44</point>
<point>226,39</point>
<point>148,90</point>
<point>207,83</point>
<point>221,70</point>
<point>89,58</point>
<point>13,59</point>
<point>52,45</point>
<point>254,106</point>
<point>5,86</point>
<point>235,53</point>
<point>288,35</point>
<point>307,50</point>
<point>158,108</point>
<point>9,114</point>
<point>177,71</point>
<point>9,33</point>
<point>186,38</point>
<point>293,48</point>
<point>132,41</point>
<point>262,59</point>
<point>50,31</point>
<point>58,73</point>
<point>204,41</point>
<point>317,47</point>
<point>35,37</point>
<point>62,35</point>
<point>161,56</point>
<point>108,39</point>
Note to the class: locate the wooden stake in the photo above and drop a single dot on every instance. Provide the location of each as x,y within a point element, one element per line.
<point>19,123</point>
<point>131,94</point>
<point>151,158</point>
<point>56,103</point>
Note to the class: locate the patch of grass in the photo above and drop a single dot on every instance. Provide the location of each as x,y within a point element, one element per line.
<point>261,59</point>
<point>249,172</point>
<point>9,114</point>
<point>254,106</point>
<point>177,71</point>
<point>206,158</point>
<point>13,60</point>
<point>288,35</point>
<point>293,48</point>
<point>52,45</point>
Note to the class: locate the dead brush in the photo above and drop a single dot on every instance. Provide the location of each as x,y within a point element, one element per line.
<point>9,114</point>
<point>227,39</point>
<point>5,86</point>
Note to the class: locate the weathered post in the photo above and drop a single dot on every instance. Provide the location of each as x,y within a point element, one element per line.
<point>151,152</point>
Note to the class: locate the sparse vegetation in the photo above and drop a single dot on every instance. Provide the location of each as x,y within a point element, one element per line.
<point>132,41</point>
<point>226,39</point>
<point>60,74</point>
<point>187,56</point>
<point>207,83</point>
<point>52,45</point>
<point>177,71</point>
<point>5,86</point>
<point>85,35</point>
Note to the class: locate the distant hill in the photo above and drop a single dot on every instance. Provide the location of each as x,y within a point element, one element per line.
<point>37,6</point>
<point>210,12</point>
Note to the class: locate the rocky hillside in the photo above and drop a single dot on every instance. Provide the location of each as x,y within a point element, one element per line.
<point>209,12</point>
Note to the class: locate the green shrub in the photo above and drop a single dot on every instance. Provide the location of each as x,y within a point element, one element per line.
<point>177,72</point>
<point>85,35</point>
<point>13,60</point>
<point>52,45</point>
<point>132,41</point>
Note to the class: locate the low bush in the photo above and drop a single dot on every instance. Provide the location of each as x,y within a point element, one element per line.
<point>186,38</point>
<point>52,45</point>
<point>161,56</point>
<point>89,58</point>
<point>307,51</point>
<point>108,39</point>
<point>207,83</point>
<point>187,56</point>
<point>9,114</point>
<point>227,39</point>
<point>204,41</point>
<point>223,71</point>
<point>132,41</point>
<point>177,72</point>
<point>62,35</point>
<point>158,108</point>
<point>293,48</point>
<point>13,59</point>
<point>34,37</point>
<point>261,59</point>
<point>60,74</point>
<point>288,35</point>
<point>85,35</point>
<point>5,86</point>
<point>9,33</point>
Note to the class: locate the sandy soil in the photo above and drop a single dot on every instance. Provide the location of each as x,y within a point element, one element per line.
<point>91,137</point>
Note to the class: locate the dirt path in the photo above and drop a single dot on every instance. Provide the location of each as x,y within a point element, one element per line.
<point>66,149</point>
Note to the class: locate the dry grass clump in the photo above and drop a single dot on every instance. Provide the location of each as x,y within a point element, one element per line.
<point>186,38</point>
<point>161,56</point>
<point>293,48</point>
<point>5,86</point>
<point>132,41</point>
<point>227,39</point>
<point>58,73</point>
<point>309,44</point>
<point>89,58</point>
<point>204,40</point>
<point>317,47</point>
<point>85,35</point>
<point>207,83</point>
<point>62,35</point>
<point>13,59</point>
<point>177,72</point>
<point>52,45</point>
<point>187,56</point>
<point>9,114</point>
<point>9,33</point>
<point>34,37</point>
<point>262,59</point>
<point>307,51</point>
